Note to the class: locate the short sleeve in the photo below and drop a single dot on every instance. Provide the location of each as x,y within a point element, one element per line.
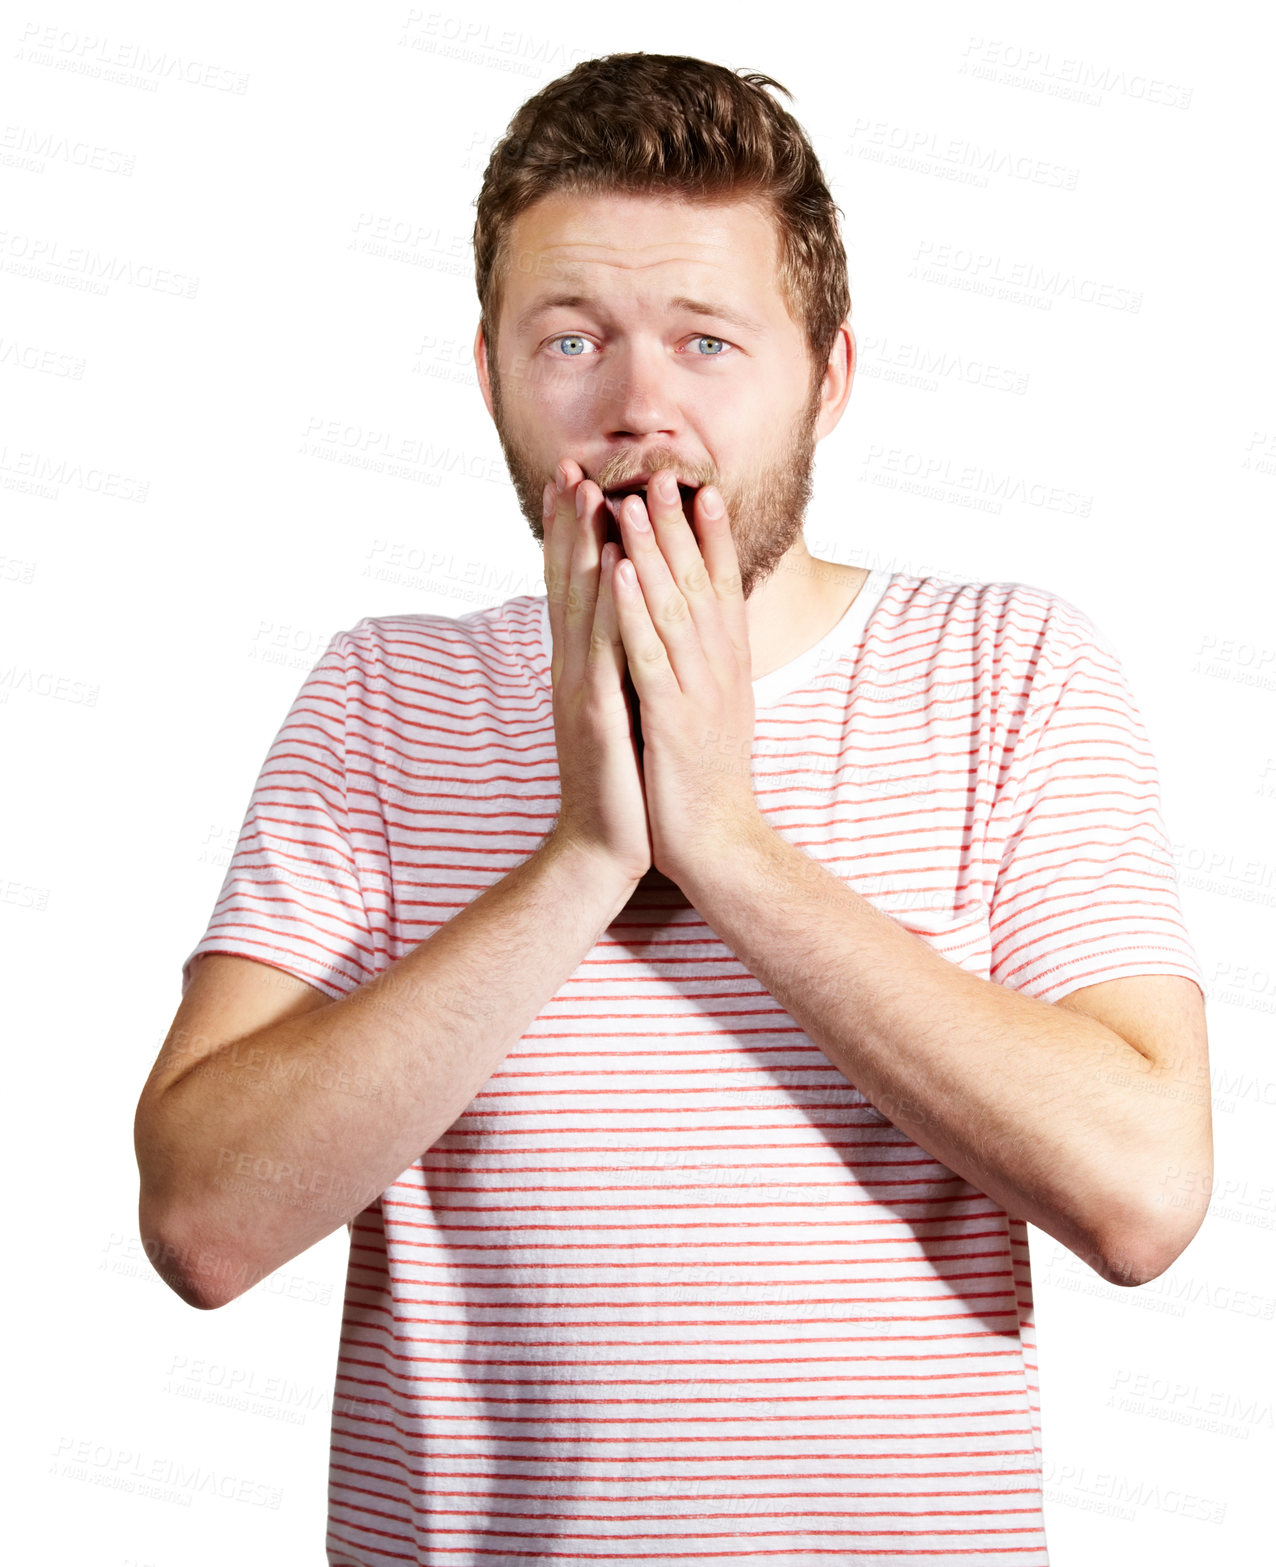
<point>1085,888</point>
<point>292,896</point>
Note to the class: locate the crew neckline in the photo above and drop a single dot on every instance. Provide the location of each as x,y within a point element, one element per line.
<point>772,688</point>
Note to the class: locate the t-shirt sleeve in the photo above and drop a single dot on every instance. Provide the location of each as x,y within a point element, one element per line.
<point>292,896</point>
<point>1085,889</point>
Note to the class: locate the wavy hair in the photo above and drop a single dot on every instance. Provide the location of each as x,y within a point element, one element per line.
<point>636,123</point>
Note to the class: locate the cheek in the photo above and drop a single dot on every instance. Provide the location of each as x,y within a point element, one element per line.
<point>572,404</point>
<point>563,393</point>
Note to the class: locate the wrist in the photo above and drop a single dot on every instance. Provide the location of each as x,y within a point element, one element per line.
<point>591,862</point>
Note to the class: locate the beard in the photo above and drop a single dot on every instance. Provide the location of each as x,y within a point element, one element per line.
<point>766,507</point>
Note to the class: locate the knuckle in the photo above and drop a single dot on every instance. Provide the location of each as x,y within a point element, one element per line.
<point>579,599</point>
<point>698,578</point>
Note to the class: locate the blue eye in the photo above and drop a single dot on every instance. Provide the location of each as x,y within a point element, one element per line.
<point>578,353</point>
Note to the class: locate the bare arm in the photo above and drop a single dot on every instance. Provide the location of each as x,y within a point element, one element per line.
<point>1051,1112</point>
<point>268,1143</point>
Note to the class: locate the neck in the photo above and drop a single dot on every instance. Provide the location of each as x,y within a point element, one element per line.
<point>797,606</point>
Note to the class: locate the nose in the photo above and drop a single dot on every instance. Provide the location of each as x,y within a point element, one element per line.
<point>638,392</point>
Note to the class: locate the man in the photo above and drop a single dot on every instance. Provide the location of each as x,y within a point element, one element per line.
<point>686,985</point>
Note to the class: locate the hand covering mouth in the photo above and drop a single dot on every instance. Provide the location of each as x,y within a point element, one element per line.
<point>613,499</point>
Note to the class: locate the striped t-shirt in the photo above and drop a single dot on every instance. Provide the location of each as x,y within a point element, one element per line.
<point>654,1300</point>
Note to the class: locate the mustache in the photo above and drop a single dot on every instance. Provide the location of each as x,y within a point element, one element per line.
<point>627,468</point>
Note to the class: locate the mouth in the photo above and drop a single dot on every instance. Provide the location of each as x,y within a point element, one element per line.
<point>613,499</point>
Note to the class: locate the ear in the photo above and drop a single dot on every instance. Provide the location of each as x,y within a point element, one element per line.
<point>480,365</point>
<point>838,376</point>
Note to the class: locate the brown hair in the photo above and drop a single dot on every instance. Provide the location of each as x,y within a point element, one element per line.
<point>666,122</point>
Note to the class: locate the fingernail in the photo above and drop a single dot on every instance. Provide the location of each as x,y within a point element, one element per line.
<point>560,477</point>
<point>580,499</point>
<point>711,502</point>
<point>548,497</point>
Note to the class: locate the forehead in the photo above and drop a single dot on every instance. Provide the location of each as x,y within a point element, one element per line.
<point>625,245</point>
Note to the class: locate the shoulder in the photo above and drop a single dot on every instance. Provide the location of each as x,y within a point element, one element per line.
<point>1014,624</point>
<point>1017,649</point>
<point>425,646</point>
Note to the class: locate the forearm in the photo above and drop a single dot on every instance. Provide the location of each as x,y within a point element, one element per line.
<point>1044,1109</point>
<point>270,1143</point>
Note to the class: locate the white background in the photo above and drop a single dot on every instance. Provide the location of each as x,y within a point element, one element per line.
<point>184,531</point>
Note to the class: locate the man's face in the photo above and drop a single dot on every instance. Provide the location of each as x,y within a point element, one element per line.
<point>644,332</point>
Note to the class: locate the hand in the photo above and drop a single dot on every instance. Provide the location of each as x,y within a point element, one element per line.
<point>603,805</point>
<point>685,635</point>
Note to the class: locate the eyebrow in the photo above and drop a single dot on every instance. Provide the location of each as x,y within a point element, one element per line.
<point>698,307</point>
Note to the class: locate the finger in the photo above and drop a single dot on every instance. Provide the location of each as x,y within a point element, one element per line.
<point>717,548</point>
<point>658,628</point>
<point>682,551</point>
<point>589,526</point>
<point>548,567</point>
<point>646,653</point>
<point>606,664</point>
<point>559,527</point>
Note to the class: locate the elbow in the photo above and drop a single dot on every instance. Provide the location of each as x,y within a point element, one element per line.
<point>195,1275</point>
<point>174,1267</point>
<point>194,1294</point>
<point>1138,1251</point>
